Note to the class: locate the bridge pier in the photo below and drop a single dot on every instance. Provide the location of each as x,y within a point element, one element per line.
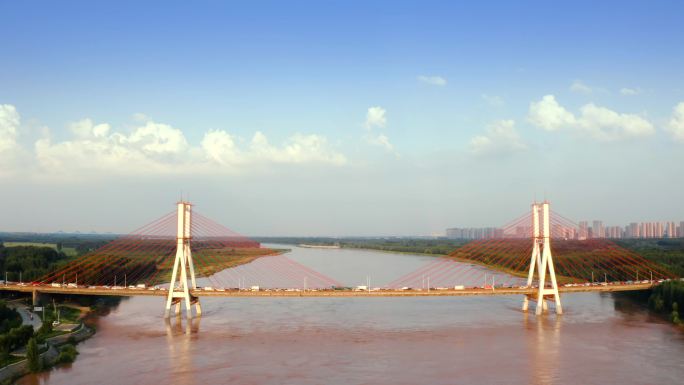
<point>183,267</point>
<point>35,296</point>
<point>542,259</point>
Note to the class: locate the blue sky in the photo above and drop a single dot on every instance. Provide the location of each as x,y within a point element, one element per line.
<point>340,118</point>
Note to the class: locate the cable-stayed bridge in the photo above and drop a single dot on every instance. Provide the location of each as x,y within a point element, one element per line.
<point>184,255</point>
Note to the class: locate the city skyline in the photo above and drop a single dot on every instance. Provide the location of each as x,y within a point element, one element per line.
<point>284,120</point>
<point>581,231</point>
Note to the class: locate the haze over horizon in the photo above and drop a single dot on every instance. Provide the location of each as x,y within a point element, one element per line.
<point>320,119</point>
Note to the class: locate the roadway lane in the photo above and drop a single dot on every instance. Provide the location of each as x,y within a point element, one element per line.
<point>25,314</point>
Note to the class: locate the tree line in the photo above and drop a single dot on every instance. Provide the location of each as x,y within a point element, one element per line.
<point>31,261</point>
<point>668,298</point>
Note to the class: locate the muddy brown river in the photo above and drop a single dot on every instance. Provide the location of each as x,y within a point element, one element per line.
<point>601,338</point>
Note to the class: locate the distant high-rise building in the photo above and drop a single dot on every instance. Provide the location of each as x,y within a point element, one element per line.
<point>671,230</point>
<point>474,233</point>
<point>681,229</point>
<point>633,230</point>
<point>614,232</point>
<point>598,230</point>
<point>649,230</point>
<point>659,230</point>
<point>583,230</point>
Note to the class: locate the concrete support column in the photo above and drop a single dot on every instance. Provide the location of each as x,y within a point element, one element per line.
<point>183,267</point>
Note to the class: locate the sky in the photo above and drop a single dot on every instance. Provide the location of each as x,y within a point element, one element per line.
<point>339,118</point>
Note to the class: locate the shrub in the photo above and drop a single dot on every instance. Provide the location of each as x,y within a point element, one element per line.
<point>67,354</point>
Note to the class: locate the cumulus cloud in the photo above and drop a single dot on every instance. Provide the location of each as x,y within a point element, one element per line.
<point>432,80</point>
<point>151,147</point>
<point>9,125</point>
<point>579,87</point>
<point>597,122</point>
<point>157,148</point>
<point>84,129</point>
<point>676,124</point>
<point>158,139</point>
<point>605,124</point>
<point>375,117</point>
<point>500,138</point>
<point>550,115</point>
<point>630,91</point>
<point>221,148</point>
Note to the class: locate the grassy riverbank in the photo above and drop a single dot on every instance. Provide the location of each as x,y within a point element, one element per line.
<point>50,345</point>
<point>394,245</point>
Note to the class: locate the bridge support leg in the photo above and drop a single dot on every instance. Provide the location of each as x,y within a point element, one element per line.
<point>35,296</point>
<point>183,267</point>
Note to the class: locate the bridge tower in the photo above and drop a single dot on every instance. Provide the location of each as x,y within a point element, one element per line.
<point>183,267</point>
<point>542,259</point>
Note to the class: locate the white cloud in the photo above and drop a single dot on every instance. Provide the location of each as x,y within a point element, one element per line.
<point>579,87</point>
<point>375,117</point>
<point>630,91</point>
<point>153,147</point>
<point>221,148</point>
<point>433,80</point>
<point>676,124</point>
<point>493,100</point>
<point>162,149</point>
<point>380,140</point>
<point>550,115</point>
<point>599,123</point>
<point>158,139</point>
<point>501,137</point>
<point>604,124</point>
<point>298,148</point>
<point>85,129</point>
<point>9,125</point>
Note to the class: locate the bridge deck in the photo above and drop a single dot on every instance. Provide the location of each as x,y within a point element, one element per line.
<point>129,292</point>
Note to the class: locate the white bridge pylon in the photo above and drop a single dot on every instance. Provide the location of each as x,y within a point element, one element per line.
<point>183,267</point>
<point>542,259</point>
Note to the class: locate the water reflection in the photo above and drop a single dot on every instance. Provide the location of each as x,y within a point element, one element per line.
<point>175,325</point>
<point>543,336</point>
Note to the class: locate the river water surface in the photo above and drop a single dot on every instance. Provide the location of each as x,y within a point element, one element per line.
<point>601,339</point>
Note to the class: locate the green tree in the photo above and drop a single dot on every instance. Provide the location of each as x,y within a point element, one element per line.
<point>4,347</point>
<point>67,354</point>
<point>33,356</point>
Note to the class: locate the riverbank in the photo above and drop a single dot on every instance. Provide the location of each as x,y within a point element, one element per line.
<point>48,358</point>
<point>409,252</point>
<point>58,346</point>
